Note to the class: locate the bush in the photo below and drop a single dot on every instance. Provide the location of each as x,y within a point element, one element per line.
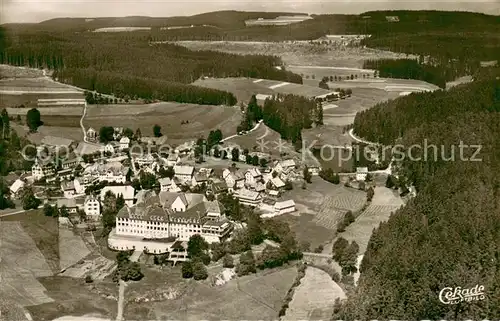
<point>199,271</point>
<point>187,270</point>
<point>228,261</point>
<point>88,279</point>
<point>319,249</point>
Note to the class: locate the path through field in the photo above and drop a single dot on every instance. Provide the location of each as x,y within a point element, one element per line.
<point>121,300</point>
<point>314,298</point>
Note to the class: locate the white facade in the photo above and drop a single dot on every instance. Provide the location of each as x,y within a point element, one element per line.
<point>110,172</point>
<point>252,176</point>
<point>173,159</point>
<point>124,143</point>
<point>180,216</point>
<point>92,207</point>
<point>16,187</point>
<point>40,171</point>
<point>248,197</point>
<point>168,185</point>
<point>109,148</point>
<point>184,173</point>
<point>361,173</point>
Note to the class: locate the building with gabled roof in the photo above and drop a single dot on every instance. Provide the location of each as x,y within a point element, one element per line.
<point>92,207</point>
<point>252,176</point>
<point>177,215</point>
<point>248,197</point>
<point>42,168</point>
<point>16,187</point>
<point>184,173</point>
<point>361,173</point>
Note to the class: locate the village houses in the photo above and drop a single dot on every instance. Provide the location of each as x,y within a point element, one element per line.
<point>128,193</point>
<point>169,185</point>
<point>184,173</point>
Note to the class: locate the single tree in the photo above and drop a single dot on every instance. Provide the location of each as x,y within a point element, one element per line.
<point>228,261</point>
<point>33,119</point>
<point>157,131</point>
<point>187,270</point>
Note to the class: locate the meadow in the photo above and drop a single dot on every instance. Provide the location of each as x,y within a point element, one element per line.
<point>198,120</point>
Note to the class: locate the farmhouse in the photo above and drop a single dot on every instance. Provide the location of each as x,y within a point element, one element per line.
<point>361,173</point>
<point>185,148</point>
<point>277,183</point>
<point>184,173</point>
<point>392,18</point>
<point>126,191</point>
<point>69,203</point>
<point>199,179</point>
<point>173,159</point>
<point>169,185</point>
<point>71,161</point>
<point>80,185</point>
<point>218,187</point>
<point>92,207</point>
<point>284,207</point>
<point>16,187</point>
<point>248,197</point>
<point>124,143</point>
<point>284,165</point>
<point>68,189</point>
<point>91,134</point>
<point>234,178</point>
<point>252,176</point>
<point>143,159</point>
<point>109,148</point>
<point>42,169</point>
<point>177,215</point>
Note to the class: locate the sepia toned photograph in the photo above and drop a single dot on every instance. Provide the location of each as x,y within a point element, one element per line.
<point>289,160</point>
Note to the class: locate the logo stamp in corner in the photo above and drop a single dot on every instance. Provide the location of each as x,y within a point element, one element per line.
<point>456,295</point>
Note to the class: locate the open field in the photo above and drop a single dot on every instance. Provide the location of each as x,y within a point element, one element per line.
<point>43,230</point>
<point>318,72</point>
<point>75,298</point>
<point>73,133</point>
<point>71,248</point>
<point>258,296</point>
<point>169,116</point>
<point>300,53</point>
<point>314,298</point>
<point>49,111</point>
<point>244,88</point>
<point>320,207</point>
<point>384,202</point>
<point>26,91</point>
<point>387,84</point>
<point>21,263</point>
<point>7,71</point>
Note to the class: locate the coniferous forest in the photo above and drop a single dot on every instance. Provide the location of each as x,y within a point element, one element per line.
<point>449,235</point>
<point>130,65</point>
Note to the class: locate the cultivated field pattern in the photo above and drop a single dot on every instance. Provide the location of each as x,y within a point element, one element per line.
<point>21,264</point>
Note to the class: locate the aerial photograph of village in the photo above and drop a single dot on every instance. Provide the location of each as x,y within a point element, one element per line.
<point>244,161</point>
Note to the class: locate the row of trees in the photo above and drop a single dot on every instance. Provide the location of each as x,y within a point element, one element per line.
<point>126,85</point>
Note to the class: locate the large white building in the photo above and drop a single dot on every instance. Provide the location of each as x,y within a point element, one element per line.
<point>174,215</point>
<point>42,169</point>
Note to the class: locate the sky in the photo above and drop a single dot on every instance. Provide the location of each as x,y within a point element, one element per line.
<point>40,10</point>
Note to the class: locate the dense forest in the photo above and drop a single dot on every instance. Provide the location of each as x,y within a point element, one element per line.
<point>127,65</point>
<point>289,114</point>
<point>412,69</point>
<point>449,235</point>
